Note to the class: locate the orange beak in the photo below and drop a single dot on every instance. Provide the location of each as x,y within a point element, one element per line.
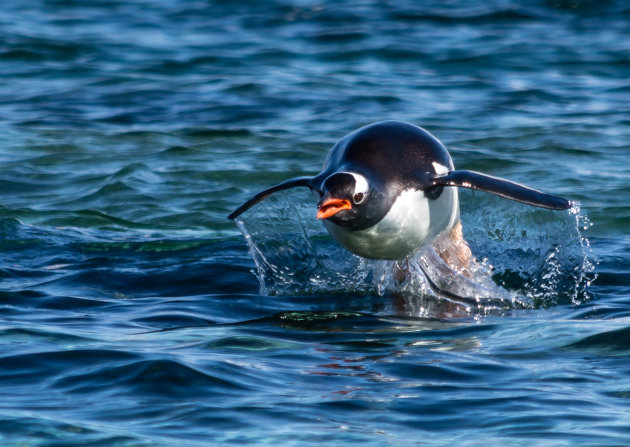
<point>331,207</point>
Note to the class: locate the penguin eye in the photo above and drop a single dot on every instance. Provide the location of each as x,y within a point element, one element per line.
<point>358,197</point>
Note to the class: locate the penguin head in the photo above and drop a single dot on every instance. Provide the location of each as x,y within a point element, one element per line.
<point>348,200</point>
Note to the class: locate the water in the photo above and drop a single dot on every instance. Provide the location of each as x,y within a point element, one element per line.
<point>131,311</point>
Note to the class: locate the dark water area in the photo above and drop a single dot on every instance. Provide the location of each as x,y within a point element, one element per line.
<point>131,311</point>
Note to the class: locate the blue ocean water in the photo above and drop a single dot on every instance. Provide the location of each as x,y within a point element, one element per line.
<point>132,312</point>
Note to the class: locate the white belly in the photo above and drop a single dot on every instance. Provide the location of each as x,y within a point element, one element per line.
<point>412,223</point>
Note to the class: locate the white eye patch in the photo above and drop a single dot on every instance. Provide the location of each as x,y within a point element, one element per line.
<point>440,169</point>
<point>360,183</point>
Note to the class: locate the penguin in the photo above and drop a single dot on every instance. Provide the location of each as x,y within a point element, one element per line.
<point>388,189</point>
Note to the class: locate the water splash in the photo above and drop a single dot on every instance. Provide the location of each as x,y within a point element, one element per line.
<point>586,274</point>
<point>525,257</point>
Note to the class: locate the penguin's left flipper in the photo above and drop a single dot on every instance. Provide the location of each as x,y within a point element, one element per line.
<point>262,195</point>
<point>500,187</point>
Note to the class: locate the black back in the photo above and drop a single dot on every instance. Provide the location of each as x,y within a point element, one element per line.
<point>393,155</point>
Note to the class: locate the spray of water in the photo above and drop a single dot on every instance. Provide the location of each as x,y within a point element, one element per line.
<point>523,257</point>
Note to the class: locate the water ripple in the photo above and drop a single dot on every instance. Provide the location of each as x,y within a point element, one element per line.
<point>130,306</point>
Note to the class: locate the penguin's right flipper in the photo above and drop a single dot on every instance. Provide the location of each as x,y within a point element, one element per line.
<point>500,187</point>
<point>262,195</point>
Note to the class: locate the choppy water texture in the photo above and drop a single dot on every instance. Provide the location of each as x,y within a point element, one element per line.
<point>131,311</point>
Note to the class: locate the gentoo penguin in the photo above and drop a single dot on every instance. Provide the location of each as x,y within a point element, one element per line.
<point>385,191</point>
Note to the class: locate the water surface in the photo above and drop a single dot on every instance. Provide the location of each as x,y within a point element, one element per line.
<point>130,306</point>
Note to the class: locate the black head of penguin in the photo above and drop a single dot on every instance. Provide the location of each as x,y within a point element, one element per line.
<point>386,158</point>
<point>392,153</point>
<point>349,201</point>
